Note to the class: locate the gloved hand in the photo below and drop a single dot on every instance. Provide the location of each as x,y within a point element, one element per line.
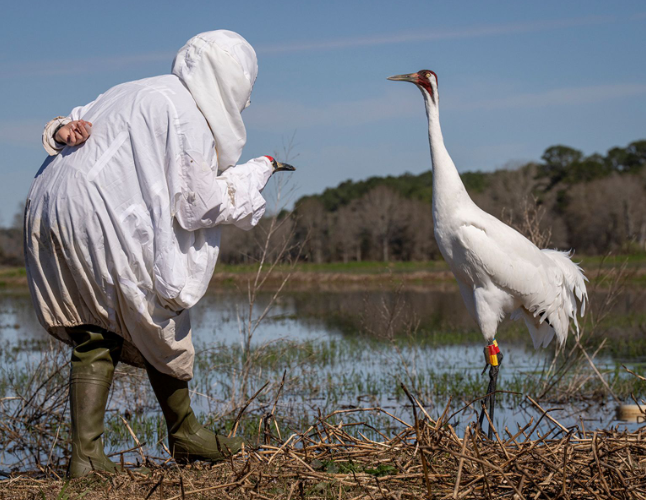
<point>74,133</point>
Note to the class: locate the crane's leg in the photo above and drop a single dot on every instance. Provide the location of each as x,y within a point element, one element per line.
<point>493,357</point>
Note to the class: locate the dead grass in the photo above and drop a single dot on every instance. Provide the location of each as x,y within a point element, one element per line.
<point>427,459</point>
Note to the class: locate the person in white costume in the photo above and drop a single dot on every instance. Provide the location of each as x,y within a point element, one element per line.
<point>122,232</point>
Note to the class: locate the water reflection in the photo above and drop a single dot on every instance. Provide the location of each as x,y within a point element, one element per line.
<point>223,314</point>
<point>336,345</point>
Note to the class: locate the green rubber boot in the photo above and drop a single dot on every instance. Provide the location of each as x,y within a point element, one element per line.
<point>187,439</point>
<point>94,358</point>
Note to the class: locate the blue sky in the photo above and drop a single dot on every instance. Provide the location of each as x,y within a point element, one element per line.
<point>515,77</point>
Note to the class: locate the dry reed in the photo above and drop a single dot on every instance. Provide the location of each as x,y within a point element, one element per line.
<point>427,459</point>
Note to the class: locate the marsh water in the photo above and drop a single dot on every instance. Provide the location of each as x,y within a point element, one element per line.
<point>351,347</point>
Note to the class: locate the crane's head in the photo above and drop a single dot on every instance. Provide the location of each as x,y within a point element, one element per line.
<point>426,81</point>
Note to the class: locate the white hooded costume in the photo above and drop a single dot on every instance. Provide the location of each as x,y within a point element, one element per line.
<point>122,231</point>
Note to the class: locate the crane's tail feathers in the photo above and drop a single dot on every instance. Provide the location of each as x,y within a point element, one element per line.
<point>573,284</point>
<point>541,331</point>
<point>552,314</point>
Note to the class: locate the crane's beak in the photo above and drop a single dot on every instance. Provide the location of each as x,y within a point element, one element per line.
<point>283,167</point>
<point>412,77</point>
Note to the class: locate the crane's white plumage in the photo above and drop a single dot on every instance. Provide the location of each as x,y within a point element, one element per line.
<point>498,270</point>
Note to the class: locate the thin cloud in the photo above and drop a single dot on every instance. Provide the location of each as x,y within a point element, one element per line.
<point>21,132</point>
<point>568,96</point>
<point>62,67</point>
<point>435,34</point>
<point>290,114</point>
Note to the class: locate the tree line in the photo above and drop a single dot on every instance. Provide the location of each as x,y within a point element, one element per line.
<point>594,204</point>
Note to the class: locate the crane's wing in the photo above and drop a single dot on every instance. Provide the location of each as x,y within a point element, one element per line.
<point>545,282</point>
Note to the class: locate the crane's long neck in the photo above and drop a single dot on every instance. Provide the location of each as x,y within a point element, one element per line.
<point>448,189</point>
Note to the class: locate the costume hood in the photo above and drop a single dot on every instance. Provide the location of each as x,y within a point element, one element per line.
<point>219,69</point>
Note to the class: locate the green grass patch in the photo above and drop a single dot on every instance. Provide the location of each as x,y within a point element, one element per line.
<point>366,267</point>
